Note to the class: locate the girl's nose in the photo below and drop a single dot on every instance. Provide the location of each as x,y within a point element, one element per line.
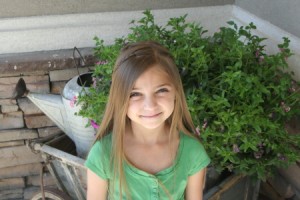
<point>150,102</point>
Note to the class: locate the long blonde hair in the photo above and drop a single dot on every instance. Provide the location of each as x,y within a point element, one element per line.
<point>134,60</point>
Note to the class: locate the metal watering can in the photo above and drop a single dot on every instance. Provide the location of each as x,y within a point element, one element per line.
<point>61,109</point>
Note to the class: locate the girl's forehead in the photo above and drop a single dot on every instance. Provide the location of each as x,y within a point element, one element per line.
<point>156,71</point>
<point>155,75</point>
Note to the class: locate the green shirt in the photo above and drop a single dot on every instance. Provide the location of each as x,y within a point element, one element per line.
<point>190,159</point>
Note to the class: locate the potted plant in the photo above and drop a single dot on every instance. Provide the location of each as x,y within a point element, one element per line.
<point>240,97</point>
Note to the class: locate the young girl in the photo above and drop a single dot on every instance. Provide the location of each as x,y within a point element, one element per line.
<point>145,147</point>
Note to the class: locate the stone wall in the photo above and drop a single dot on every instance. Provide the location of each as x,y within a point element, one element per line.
<point>21,120</point>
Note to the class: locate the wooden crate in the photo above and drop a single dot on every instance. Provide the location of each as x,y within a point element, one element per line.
<point>235,187</point>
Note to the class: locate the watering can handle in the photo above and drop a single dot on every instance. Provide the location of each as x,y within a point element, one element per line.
<point>81,62</point>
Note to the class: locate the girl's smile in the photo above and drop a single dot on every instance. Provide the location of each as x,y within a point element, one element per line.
<point>151,99</point>
<point>151,116</point>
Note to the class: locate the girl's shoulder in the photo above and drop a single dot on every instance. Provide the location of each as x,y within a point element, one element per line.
<point>191,145</point>
<point>189,139</point>
<point>103,144</point>
<point>193,154</point>
<point>105,139</point>
<point>98,159</point>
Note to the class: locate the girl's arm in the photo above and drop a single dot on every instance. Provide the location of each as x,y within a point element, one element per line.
<point>96,187</point>
<point>195,185</point>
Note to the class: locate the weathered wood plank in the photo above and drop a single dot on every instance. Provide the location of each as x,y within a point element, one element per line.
<point>9,108</point>
<point>12,143</point>
<point>8,102</point>
<point>28,107</point>
<point>20,170</point>
<point>12,183</point>
<point>292,175</point>
<point>11,120</point>
<point>38,121</point>
<point>11,194</point>
<point>233,187</point>
<point>19,155</point>
<point>28,63</point>
<point>267,190</point>
<point>17,134</point>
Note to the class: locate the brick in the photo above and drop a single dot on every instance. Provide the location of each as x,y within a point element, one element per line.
<point>9,108</point>
<point>13,156</point>
<point>8,102</point>
<point>57,87</point>
<point>20,170</point>
<point>11,194</point>
<point>38,84</point>
<point>28,107</point>
<point>17,134</point>
<point>12,143</point>
<point>12,120</point>
<point>43,132</point>
<point>38,121</point>
<point>12,183</point>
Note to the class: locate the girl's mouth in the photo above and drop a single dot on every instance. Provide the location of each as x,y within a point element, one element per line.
<point>150,116</point>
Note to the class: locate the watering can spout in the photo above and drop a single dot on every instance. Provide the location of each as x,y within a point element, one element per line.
<point>52,105</point>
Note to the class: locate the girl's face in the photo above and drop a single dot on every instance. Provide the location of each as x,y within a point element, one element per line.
<point>151,100</point>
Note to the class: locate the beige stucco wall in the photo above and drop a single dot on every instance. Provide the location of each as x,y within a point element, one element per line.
<point>52,32</point>
<point>285,15</point>
<point>22,8</point>
<point>282,13</point>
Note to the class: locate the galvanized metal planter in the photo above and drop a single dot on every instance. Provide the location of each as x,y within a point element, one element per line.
<point>61,110</point>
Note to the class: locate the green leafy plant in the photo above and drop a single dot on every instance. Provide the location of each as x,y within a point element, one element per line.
<point>240,97</point>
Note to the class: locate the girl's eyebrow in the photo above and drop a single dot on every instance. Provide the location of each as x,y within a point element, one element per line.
<point>159,86</point>
<point>164,85</point>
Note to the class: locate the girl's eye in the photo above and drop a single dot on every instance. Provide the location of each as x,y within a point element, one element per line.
<point>134,94</point>
<point>163,90</point>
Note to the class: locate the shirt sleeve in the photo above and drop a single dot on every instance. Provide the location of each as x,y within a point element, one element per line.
<point>198,157</point>
<point>98,161</point>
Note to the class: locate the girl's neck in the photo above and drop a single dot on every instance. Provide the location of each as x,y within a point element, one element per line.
<point>149,136</point>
